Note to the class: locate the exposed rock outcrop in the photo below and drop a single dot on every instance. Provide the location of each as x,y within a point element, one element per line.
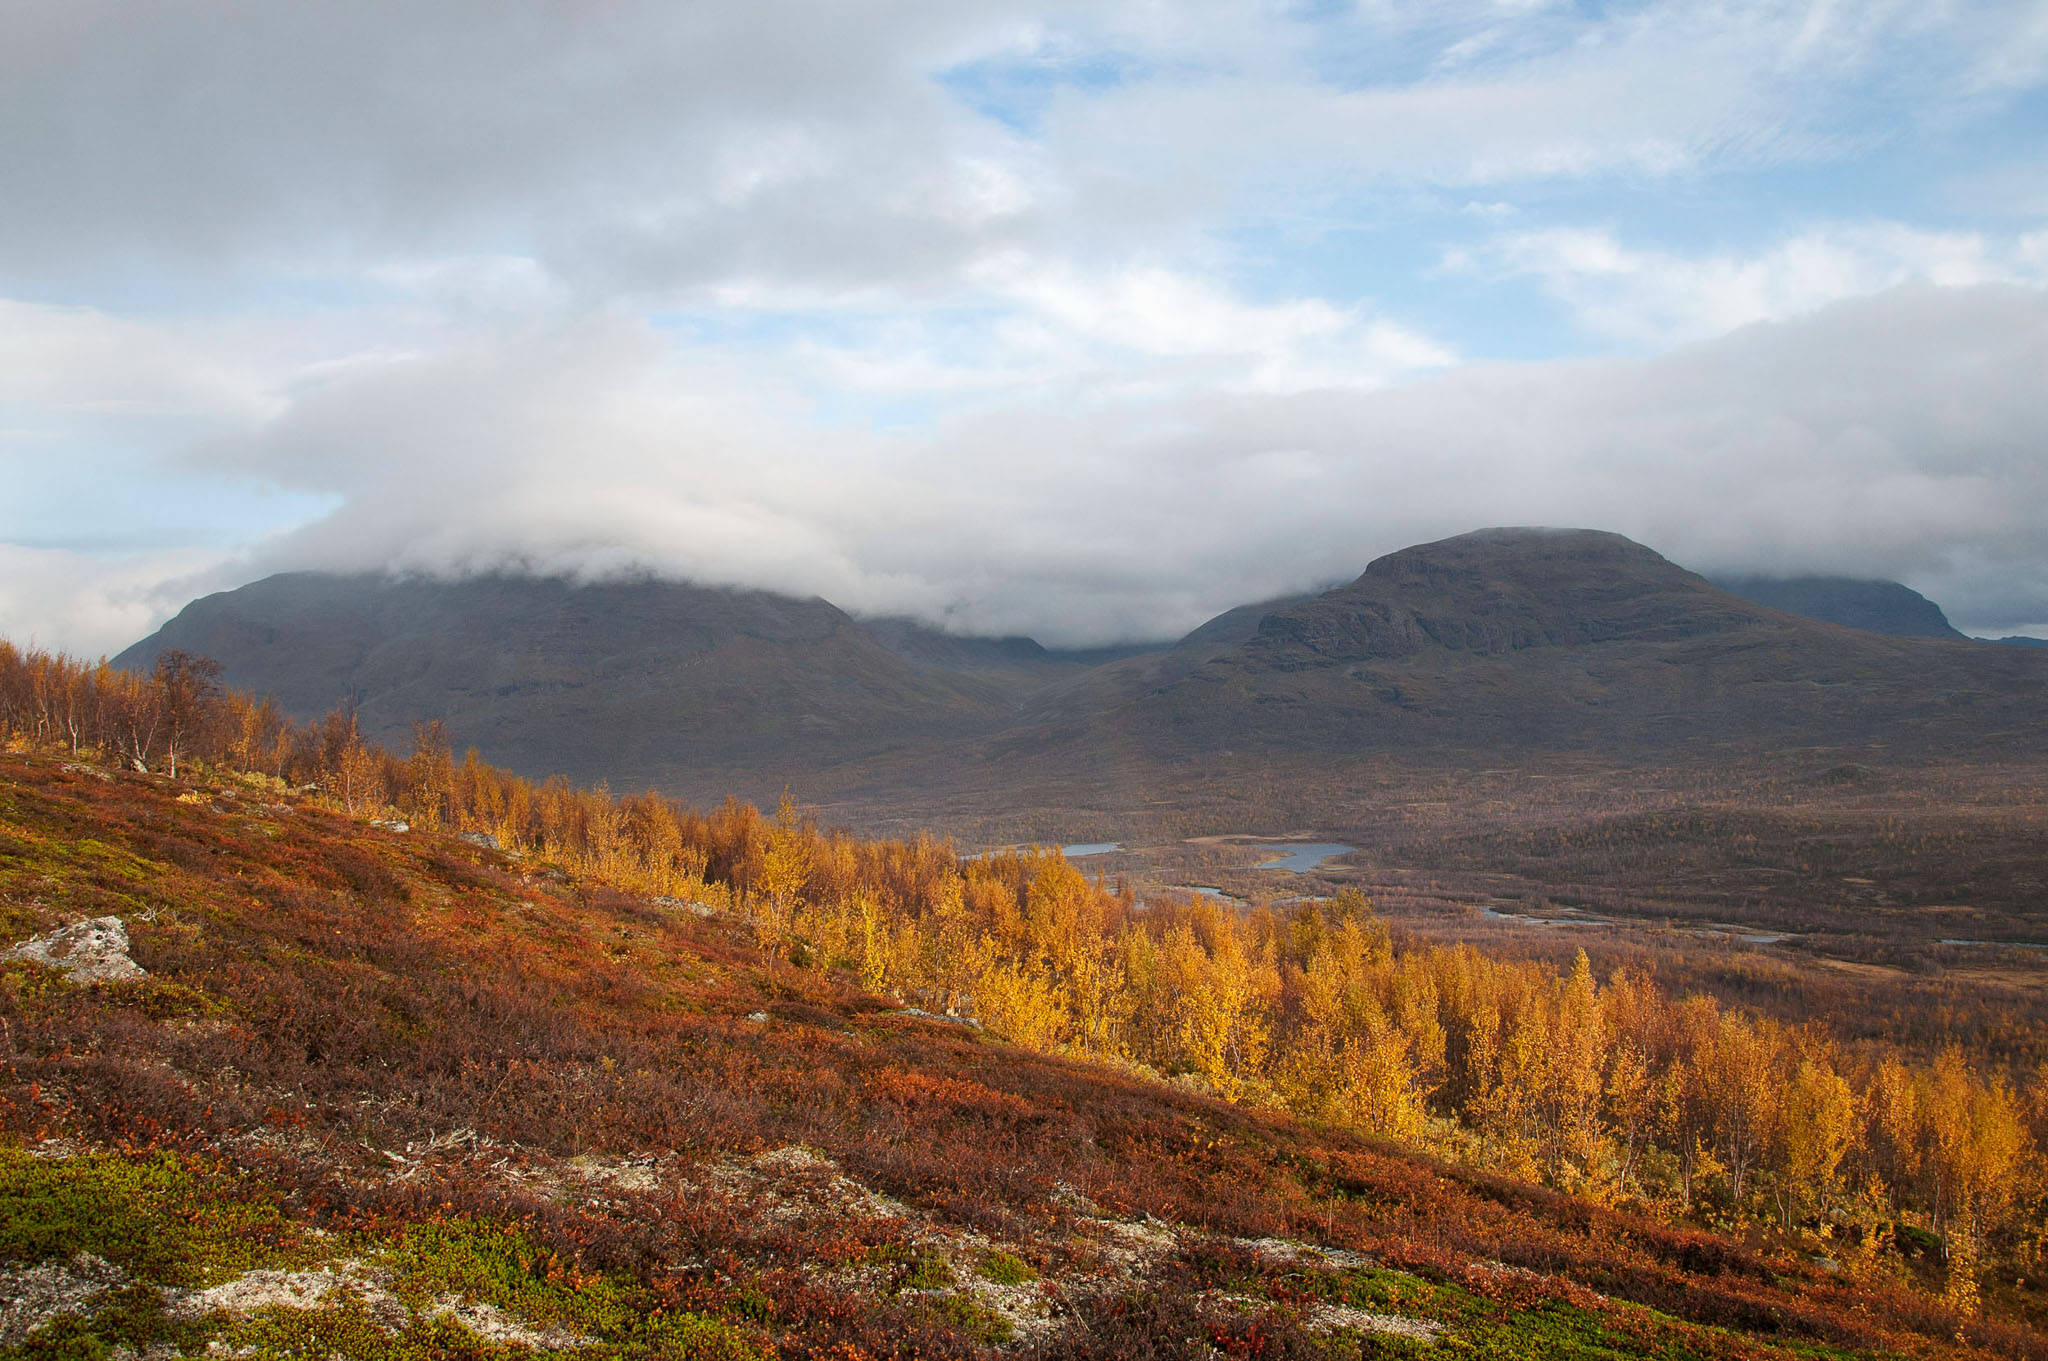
<point>94,951</point>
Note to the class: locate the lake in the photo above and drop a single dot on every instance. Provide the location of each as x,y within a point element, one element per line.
<point>1302,859</point>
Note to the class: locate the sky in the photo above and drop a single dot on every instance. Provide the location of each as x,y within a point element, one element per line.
<point>1086,321</point>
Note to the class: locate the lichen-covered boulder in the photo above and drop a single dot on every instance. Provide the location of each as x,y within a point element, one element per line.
<point>93,951</point>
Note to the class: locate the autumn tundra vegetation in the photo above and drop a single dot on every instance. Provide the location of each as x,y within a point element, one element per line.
<point>1000,1041</point>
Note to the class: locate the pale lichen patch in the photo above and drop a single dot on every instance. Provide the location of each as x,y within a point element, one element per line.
<point>319,1288</point>
<point>1293,1250</point>
<point>32,1296</point>
<point>1132,1247</point>
<point>1332,1318</point>
<point>493,1324</point>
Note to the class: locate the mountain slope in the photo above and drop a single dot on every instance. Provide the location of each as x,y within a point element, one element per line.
<point>703,691</point>
<point>1120,679</point>
<point>1879,606</point>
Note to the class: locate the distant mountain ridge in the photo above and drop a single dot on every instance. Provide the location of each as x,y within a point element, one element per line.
<point>1495,591</point>
<point>1487,643</point>
<point>693,688</point>
<point>1579,640</point>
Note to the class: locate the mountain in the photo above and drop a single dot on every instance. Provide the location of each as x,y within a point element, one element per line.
<point>1879,606</point>
<point>2021,640</point>
<point>699,690</point>
<point>919,642</point>
<point>1122,678</point>
<point>1573,640</point>
<point>1496,642</point>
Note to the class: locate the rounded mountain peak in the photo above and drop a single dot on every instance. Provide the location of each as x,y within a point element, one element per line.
<point>1502,590</point>
<point>1532,554</point>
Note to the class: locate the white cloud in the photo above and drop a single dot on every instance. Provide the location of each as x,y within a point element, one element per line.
<point>1895,436</point>
<point>975,307</point>
<point>1661,297</point>
<point>648,148</point>
<point>78,361</point>
<point>94,607</point>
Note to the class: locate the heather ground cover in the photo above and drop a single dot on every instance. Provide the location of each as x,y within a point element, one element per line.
<point>396,1094</point>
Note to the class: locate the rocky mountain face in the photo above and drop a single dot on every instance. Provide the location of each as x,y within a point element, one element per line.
<point>1877,606</point>
<point>1494,592</point>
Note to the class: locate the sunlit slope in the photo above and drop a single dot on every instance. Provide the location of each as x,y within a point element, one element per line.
<point>397,1094</point>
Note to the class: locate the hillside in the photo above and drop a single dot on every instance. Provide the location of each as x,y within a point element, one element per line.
<point>1879,606</point>
<point>400,1094</point>
<point>1578,640</point>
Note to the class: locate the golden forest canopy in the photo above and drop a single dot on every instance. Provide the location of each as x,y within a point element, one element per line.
<point>1609,1088</point>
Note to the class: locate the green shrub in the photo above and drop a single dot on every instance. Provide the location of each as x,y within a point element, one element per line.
<point>1005,1269</point>
<point>930,1271</point>
<point>965,1313</point>
<point>503,1268</point>
<point>160,1218</point>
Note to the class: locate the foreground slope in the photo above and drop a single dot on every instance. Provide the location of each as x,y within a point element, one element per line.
<point>394,1094</point>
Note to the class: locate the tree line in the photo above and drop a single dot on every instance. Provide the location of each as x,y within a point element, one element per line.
<point>1612,1089</point>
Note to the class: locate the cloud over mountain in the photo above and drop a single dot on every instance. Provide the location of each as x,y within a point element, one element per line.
<point>1021,315</point>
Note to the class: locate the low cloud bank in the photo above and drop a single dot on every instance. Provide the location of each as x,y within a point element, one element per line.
<point>1895,436</point>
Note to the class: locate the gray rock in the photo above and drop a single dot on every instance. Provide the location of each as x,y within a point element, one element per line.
<point>93,951</point>
<point>924,1015</point>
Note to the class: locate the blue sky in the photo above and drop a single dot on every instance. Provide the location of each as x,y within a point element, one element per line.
<point>1086,321</point>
